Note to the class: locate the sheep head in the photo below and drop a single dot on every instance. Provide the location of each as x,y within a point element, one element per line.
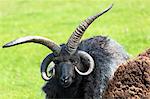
<point>66,58</point>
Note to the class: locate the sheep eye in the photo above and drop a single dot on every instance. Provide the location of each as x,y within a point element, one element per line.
<point>56,61</point>
<point>73,61</point>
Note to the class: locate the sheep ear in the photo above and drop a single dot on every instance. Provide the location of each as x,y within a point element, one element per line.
<point>89,63</point>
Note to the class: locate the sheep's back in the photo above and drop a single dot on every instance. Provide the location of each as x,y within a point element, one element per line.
<point>132,79</point>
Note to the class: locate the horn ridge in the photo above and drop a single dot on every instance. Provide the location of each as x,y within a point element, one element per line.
<point>74,39</point>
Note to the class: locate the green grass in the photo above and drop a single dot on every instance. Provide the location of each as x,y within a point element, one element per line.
<point>128,23</point>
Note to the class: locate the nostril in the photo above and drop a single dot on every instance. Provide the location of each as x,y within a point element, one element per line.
<point>64,79</point>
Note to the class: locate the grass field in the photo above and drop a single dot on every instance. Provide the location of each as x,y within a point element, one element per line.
<point>128,23</point>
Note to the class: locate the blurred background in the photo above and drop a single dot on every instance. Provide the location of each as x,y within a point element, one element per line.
<point>128,23</point>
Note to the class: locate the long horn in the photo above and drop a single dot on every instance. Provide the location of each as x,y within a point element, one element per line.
<point>85,55</point>
<point>74,40</point>
<point>49,58</point>
<point>36,39</point>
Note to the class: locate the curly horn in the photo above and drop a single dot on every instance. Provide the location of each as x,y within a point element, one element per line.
<point>48,59</point>
<point>74,40</point>
<point>85,55</point>
<point>36,39</point>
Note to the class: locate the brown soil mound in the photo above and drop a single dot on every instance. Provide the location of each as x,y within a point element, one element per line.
<point>132,79</point>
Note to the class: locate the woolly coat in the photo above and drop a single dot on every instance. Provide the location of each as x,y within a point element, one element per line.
<point>132,79</point>
<point>107,55</point>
